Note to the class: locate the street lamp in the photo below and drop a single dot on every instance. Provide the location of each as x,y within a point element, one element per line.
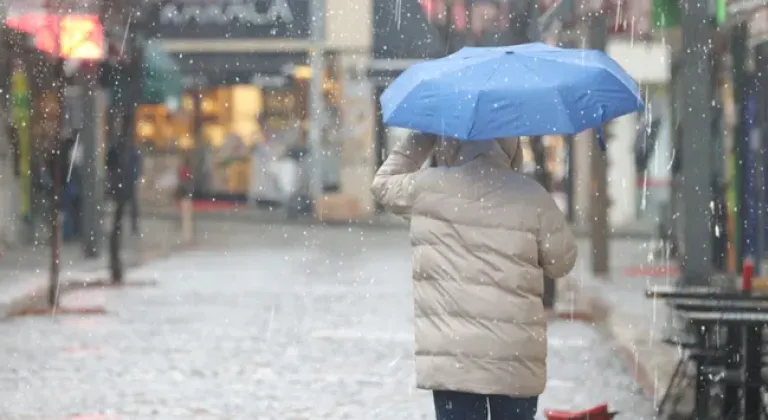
<point>316,103</point>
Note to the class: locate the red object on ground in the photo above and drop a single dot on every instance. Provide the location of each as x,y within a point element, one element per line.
<point>185,174</point>
<point>652,271</point>
<point>205,206</point>
<point>599,412</point>
<point>746,275</point>
<point>649,183</point>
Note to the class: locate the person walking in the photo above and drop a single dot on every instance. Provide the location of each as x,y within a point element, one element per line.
<point>483,237</point>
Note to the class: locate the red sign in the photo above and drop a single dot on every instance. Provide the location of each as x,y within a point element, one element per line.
<point>79,37</point>
<point>437,11</point>
<point>631,17</point>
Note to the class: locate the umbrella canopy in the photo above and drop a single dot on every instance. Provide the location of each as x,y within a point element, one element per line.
<point>523,90</point>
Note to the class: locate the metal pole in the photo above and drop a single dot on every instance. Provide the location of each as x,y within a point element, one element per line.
<point>738,49</point>
<point>696,83</point>
<point>55,168</point>
<point>199,181</point>
<point>91,203</point>
<point>597,33</point>
<point>571,173</point>
<point>316,103</point>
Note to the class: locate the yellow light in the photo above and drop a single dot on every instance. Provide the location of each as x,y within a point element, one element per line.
<point>145,129</point>
<point>185,142</point>
<point>302,72</point>
<point>82,38</point>
<point>207,106</point>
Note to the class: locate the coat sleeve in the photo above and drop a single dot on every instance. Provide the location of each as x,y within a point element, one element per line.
<point>557,246</point>
<point>393,182</point>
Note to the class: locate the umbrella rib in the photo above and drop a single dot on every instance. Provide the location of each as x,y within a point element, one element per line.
<point>477,99</point>
<point>557,88</point>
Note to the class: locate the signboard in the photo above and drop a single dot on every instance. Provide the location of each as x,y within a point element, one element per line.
<point>79,37</point>
<point>21,99</point>
<point>229,19</point>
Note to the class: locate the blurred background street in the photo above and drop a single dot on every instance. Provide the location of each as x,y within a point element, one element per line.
<point>226,149</point>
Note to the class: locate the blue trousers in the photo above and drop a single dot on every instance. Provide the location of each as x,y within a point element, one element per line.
<point>450,405</point>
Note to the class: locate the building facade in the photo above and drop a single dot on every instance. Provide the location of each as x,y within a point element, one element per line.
<point>246,74</point>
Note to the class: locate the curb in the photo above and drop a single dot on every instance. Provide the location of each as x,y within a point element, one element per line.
<point>649,361</point>
<point>35,298</point>
<point>602,313</point>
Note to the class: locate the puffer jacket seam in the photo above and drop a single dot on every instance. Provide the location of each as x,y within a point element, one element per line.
<point>473,225</point>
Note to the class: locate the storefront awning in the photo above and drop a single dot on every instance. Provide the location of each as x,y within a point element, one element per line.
<point>163,80</point>
<point>206,19</point>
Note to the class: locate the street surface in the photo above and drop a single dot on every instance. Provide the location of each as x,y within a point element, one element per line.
<point>265,323</point>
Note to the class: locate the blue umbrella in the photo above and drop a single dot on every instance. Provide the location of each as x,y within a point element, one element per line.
<point>522,90</point>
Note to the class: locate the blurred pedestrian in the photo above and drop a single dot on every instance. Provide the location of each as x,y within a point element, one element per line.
<point>483,236</point>
<point>185,185</point>
<point>121,189</point>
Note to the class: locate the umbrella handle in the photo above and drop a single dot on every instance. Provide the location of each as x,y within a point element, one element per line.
<point>599,130</point>
<point>600,139</point>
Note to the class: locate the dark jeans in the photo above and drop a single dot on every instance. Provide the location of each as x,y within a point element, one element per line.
<point>451,405</point>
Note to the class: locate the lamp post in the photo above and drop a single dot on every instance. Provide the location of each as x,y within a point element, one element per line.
<point>597,38</point>
<point>316,103</point>
<point>696,168</point>
<point>55,214</point>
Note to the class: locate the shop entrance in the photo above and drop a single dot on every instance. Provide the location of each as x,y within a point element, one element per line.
<point>241,142</point>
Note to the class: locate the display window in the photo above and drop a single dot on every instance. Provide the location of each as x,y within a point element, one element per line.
<point>231,127</point>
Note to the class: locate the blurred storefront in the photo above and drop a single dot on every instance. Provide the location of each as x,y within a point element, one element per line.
<point>235,122</point>
<point>244,113</point>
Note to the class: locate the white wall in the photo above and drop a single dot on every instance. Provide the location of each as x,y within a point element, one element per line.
<point>646,62</point>
<point>649,64</point>
<point>622,183</point>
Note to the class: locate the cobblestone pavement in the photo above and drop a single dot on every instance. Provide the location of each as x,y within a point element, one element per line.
<point>288,323</point>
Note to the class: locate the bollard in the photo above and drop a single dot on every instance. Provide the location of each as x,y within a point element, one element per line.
<point>187,220</point>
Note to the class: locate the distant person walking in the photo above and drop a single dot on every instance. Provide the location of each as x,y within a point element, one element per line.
<point>483,237</point>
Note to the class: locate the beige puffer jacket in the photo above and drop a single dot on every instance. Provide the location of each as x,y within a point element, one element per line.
<point>483,237</point>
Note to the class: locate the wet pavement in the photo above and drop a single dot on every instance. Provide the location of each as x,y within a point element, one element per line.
<point>280,323</point>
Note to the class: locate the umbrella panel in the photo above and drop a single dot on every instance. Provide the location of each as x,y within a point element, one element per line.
<point>477,95</point>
